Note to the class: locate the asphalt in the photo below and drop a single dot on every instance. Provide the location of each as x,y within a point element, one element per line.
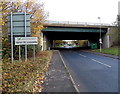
<point>58,78</point>
<point>92,72</point>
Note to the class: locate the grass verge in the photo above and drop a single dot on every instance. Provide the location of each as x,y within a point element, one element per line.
<point>112,50</point>
<point>25,76</point>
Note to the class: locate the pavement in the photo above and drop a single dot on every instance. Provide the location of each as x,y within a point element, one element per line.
<point>58,78</point>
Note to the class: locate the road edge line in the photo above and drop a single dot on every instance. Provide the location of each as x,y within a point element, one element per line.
<point>72,80</point>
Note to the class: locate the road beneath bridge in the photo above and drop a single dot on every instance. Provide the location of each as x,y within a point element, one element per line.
<point>92,73</point>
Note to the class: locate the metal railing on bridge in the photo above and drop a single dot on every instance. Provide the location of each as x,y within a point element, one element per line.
<point>77,23</point>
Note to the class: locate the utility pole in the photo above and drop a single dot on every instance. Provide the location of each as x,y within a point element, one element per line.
<point>100,40</point>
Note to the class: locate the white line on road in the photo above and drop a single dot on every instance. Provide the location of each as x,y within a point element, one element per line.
<point>73,82</point>
<point>101,63</point>
<point>115,59</point>
<point>82,55</point>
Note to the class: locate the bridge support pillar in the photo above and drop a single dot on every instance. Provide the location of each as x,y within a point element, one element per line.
<point>106,39</point>
<point>44,43</point>
<point>47,44</point>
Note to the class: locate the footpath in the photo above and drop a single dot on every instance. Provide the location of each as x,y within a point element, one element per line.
<point>58,78</point>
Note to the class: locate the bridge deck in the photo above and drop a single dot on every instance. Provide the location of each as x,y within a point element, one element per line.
<point>73,29</point>
<point>76,24</point>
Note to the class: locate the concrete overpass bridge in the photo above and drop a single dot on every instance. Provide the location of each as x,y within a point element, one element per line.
<point>75,31</point>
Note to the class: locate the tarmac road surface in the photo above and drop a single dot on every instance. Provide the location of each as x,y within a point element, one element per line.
<point>91,72</point>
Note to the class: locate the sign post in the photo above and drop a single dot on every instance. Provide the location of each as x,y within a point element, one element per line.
<point>19,54</point>
<point>11,39</point>
<point>25,36</point>
<point>34,52</point>
<point>18,25</point>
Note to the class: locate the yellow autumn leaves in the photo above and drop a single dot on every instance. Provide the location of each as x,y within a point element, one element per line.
<point>26,76</point>
<point>35,9</point>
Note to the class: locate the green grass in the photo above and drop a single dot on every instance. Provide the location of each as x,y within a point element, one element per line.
<point>112,51</point>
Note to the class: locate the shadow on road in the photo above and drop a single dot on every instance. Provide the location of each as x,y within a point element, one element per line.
<point>74,48</point>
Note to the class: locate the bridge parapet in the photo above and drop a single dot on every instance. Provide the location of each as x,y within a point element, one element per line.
<point>75,24</point>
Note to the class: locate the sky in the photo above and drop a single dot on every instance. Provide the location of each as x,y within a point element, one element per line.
<point>82,10</point>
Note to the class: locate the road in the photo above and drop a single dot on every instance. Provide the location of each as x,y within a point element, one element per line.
<point>91,72</point>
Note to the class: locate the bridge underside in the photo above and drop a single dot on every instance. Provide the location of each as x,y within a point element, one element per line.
<point>72,35</point>
<point>51,36</point>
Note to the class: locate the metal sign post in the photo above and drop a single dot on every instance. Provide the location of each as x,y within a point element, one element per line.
<point>100,41</point>
<point>19,54</point>
<point>18,25</point>
<point>34,52</point>
<point>11,39</point>
<point>25,36</point>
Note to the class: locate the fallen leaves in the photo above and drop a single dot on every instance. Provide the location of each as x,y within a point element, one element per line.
<point>26,76</point>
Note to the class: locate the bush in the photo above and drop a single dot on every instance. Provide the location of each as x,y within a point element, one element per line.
<point>5,48</point>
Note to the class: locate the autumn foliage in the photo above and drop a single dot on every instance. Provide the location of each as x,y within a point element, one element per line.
<point>26,76</point>
<point>23,76</point>
<point>32,7</point>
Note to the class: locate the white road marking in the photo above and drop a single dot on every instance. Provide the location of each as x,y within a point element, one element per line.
<point>115,59</point>
<point>82,55</point>
<point>73,82</point>
<point>101,63</point>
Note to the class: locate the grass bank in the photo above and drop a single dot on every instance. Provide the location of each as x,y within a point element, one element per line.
<point>112,50</point>
<point>25,76</point>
